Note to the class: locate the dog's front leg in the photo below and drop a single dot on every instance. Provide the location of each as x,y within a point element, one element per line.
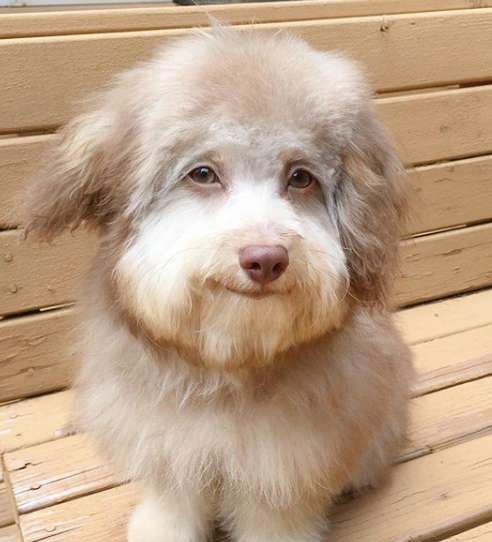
<point>255,521</point>
<point>172,516</point>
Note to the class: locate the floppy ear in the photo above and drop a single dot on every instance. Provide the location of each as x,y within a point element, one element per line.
<point>72,185</point>
<point>371,202</point>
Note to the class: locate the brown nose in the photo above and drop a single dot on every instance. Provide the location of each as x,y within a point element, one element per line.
<point>264,263</point>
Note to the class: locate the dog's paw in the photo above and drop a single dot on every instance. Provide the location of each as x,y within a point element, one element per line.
<point>152,521</point>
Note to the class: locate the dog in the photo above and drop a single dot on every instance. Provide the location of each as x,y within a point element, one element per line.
<point>239,357</point>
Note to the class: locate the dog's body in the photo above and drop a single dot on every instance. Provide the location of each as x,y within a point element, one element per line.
<point>239,355</point>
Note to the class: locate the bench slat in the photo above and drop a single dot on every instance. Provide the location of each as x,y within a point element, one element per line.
<point>80,21</point>
<point>447,361</point>
<point>483,533</point>
<point>42,77</point>
<point>99,518</point>
<point>33,421</point>
<point>37,353</point>
<point>425,499</point>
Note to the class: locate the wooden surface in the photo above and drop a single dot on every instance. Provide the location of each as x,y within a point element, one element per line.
<point>10,534</point>
<point>36,353</point>
<point>445,263</point>
<point>425,498</point>
<point>98,518</point>
<point>33,421</point>
<point>47,75</point>
<point>483,533</point>
<point>36,274</point>
<point>24,23</point>
<point>6,509</point>
<point>63,490</point>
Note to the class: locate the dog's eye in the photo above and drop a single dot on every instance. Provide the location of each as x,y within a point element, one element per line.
<point>300,178</point>
<point>203,175</point>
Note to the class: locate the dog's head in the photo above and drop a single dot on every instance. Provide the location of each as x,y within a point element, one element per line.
<point>245,194</point>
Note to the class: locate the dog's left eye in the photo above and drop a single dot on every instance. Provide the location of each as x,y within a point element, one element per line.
<point>300,178</point>
<point>203,175</point>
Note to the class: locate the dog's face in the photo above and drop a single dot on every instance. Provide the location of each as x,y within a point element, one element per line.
<point>245,193</point>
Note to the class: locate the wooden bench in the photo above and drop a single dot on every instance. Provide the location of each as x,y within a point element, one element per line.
<point>431,64</point>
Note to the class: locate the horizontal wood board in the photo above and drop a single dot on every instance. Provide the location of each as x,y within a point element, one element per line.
<point>49,75</point>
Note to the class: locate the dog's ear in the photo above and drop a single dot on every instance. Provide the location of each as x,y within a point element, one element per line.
<point>72,185</point>
<point>371,202</point>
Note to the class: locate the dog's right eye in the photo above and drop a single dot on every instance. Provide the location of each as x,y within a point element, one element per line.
<point>203,175</point>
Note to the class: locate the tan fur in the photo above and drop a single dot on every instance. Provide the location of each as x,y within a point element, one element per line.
<point>257,411</point>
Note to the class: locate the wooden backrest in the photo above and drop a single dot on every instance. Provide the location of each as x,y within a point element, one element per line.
<point>429,61</point>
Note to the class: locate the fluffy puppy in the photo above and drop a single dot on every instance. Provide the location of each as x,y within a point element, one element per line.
<point>239,355</point>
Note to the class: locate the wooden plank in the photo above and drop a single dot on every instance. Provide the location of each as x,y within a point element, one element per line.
<point>430,497</point>
<point>10,534</point>
<point>89,20</point>
<point>483,533</point>
<point>6,505</point>
<point>445,263</point>
<point>67,468</point>
<point>19,158</point>
<point>37,353</point>
<point>34,421</point>
<point>49,74</point>
<point>450,194</point>
<point>449,416</point>
<point>443,318</point>
<point>98,518</point>
<point>440,125</point>
<point>447,361</point>
<point>446,194</point>
<point>56,471</point>
<point>40,274</point>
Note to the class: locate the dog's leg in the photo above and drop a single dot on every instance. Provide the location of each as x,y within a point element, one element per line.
<point>249,521</point>
<point>172,517</point>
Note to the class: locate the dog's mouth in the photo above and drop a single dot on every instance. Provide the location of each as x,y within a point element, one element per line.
<point>260,292</point>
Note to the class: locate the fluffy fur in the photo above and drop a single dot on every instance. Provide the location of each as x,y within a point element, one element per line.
<point>256,407</point>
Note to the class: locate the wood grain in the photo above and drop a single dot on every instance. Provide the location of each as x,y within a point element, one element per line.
<point>450,194</point>
<point>6,504</point>
<point>47,75</point>
<point>99,518</point>
<point>447,361</point>
<point>19,159</point>
<point>444,263</point>
<point>483,533</point>
<point>449,416</point>
<point>446,317</point>
<point>40,274</point>
<point>56,471</point>
<point>427,498</point>
<point>10,534</point>
<point>34,421</point>
<point>37,353</point>
<point>440,125</point>
<point>25,23</point>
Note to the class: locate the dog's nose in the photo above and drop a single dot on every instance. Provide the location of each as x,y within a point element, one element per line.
<point>264,263</point>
